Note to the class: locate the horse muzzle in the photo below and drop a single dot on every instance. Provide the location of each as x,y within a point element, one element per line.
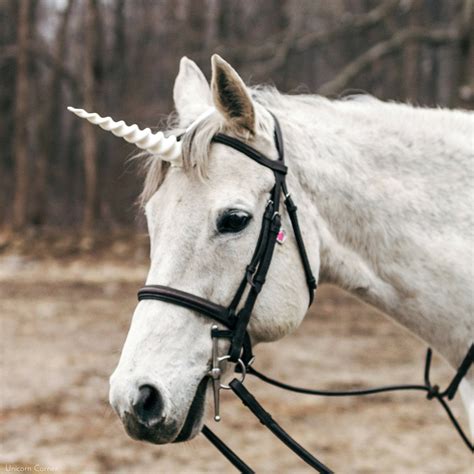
<point>143,413</point>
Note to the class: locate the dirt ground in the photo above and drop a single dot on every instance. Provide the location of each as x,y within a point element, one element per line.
<point>63,323</point>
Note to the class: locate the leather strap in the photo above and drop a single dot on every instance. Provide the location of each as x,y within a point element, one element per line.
<point>266,419</point>
<point>236,144</point>
<point>226,451</point>
<point>310,279</point>
<point>258,281</point>
<point>462,371</point>
<point>187,300</point>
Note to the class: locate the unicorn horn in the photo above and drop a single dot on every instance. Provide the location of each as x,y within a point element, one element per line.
<point>167,148</point>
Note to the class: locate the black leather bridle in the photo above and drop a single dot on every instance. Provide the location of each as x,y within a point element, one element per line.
<point>237,320</point>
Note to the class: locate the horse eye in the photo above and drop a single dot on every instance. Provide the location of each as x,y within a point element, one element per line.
<point>233,220</point>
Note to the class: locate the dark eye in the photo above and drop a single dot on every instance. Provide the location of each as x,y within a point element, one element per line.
<point>233,220</point>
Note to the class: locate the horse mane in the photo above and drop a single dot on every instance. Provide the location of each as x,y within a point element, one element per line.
<point>195,152</point>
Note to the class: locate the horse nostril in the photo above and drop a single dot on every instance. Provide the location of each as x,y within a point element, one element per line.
<point>148,405</point>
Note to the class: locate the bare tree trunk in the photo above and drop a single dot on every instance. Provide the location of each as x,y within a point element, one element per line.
<point>119,58</point>
<point>88,132</point>
<point>448,70</point>
<point>410,57</point>
<point>50,123</point>
<point>465,92</point>
<point>20,200</point>
<point>115,96</point>
<point>213,11</point>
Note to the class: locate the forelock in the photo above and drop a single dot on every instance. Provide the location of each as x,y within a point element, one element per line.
<point>196,145</point>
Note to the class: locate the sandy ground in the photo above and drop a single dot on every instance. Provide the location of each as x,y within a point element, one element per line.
<point>63,323</point>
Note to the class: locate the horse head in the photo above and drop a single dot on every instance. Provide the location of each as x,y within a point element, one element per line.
<point>204,204</point>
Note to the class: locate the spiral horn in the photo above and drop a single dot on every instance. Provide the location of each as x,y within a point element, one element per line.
<point>167,148</point>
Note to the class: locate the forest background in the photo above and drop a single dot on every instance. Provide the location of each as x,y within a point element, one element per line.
<point>120,58</point>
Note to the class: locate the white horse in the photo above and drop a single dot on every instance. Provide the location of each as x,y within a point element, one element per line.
<point>385,199</point>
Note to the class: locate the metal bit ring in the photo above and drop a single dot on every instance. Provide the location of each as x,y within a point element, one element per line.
<point>242,375</point>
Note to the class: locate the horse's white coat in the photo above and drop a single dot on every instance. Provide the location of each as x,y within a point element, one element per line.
<point>385,197</point>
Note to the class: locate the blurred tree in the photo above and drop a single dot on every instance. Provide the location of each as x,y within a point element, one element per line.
<point>118,63</point>
<point>120,58</point>
<point>20,200</point>
<point>50,124</point>
<point>411,55</point>
<point>90,72</point>
<point>465,86</point>
<point>8,34</point>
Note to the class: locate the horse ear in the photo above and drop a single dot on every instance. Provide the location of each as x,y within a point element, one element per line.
<point>191,93</point>
<point>230,95</point>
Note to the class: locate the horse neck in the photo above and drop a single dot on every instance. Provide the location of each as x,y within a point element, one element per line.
<point>361,179</point>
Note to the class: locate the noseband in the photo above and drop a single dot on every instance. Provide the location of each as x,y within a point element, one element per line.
<point>237,320</point>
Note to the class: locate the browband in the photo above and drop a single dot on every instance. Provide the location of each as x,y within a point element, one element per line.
<point>252,153</point>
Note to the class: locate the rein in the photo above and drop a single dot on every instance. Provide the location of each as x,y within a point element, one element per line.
<point>236,320</point>
<point>432,392</point>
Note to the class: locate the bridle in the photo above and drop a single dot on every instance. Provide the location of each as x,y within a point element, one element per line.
<point>236,320</point>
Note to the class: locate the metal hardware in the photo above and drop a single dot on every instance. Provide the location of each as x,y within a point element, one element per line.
<point>216,372</point>
<point>242,374</point>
